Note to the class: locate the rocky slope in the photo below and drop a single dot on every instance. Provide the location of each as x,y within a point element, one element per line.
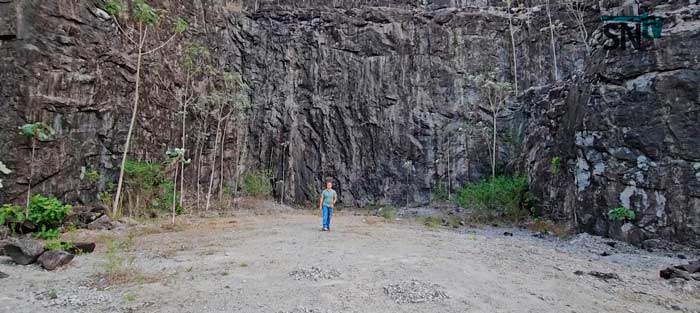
<point>351,90</point>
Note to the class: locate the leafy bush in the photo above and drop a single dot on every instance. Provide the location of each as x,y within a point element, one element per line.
<point>497,197</point>
<point>47,234</point>
<point>47,212</point>
<point>10,213</point>
<point>621,213</point>
<point>257,184</point>
<point>147,187</point>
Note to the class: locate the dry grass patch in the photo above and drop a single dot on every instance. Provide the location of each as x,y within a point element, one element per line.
<point>547,226</point>
<point>118,266</point>
<point>371,220</point>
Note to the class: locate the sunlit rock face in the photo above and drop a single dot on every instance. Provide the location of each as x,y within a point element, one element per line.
<point>353,90</point>
<point>631,135</point>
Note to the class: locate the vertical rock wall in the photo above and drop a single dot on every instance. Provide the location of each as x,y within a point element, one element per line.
<point>352,90</point>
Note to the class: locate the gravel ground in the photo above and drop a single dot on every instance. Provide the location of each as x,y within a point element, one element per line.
<point>282,262</point>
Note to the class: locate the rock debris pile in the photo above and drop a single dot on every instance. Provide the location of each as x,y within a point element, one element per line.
<point>314,274</point>
<point>415,291</point>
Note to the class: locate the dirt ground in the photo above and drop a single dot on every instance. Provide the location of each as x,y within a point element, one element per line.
<point>242,263</point>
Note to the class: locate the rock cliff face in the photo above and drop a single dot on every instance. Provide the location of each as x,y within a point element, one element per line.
<point>628,133</point>
<point>352,90</point>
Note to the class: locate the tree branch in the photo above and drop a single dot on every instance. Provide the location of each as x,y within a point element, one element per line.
<point>161,46</point>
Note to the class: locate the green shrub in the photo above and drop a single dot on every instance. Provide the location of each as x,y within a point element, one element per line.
<point>621,213</point>
<point>497,197</point>
<point>47,233</point>
<point>148,188</point>
<point>387,213</point>
<point>10,213</point>
<point>47,212</point>
<point>57,244</point>
<point>257,184</point>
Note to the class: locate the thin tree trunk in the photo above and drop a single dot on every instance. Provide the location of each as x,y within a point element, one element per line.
<point>200,145</point>
<point>449,178</point>
<point>554,47</point>
<point>515,55</point>
<point>242,152</point>
<point>408,188</point>
<point>493,156</point>
<point>184,134</point>
<point>238,159</point>
<point>175,192</point>
<point>213,158</point>
<point>284,167</point>
<point>142,35</point>
<point>29,179</point>
<point>221,166</point>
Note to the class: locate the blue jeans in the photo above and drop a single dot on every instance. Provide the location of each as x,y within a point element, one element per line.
<point>327,212</point>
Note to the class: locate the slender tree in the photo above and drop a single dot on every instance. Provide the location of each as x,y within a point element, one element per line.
<point>495,93</point>
<point>512,41</point>
<point>229,101</point>
<point>35,132</point>
<point>577,9</point>
<point>554,46</point>
<point>192,62</point>
<point>408,166</point>
<point>177,158</point>
<point>144,17</point>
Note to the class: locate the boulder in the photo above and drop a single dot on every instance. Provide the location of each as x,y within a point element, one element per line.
<point>102,223</point>
<point>82,247</point>
<point>692,267</point>
<point>83,215</point>
<point>52,260</point>
<point>687,271</point>
<point>672,272</point>
<point>24,251</point>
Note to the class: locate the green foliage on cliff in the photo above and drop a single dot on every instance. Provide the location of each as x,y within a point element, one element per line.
<point>621,213</point>
<point>499,197</point>
<point>257,183</point>
<point>10,213</point>
<point>39,131</point>
<point>147,187</point>
<point>113,7</point>
<point>555,165</point>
